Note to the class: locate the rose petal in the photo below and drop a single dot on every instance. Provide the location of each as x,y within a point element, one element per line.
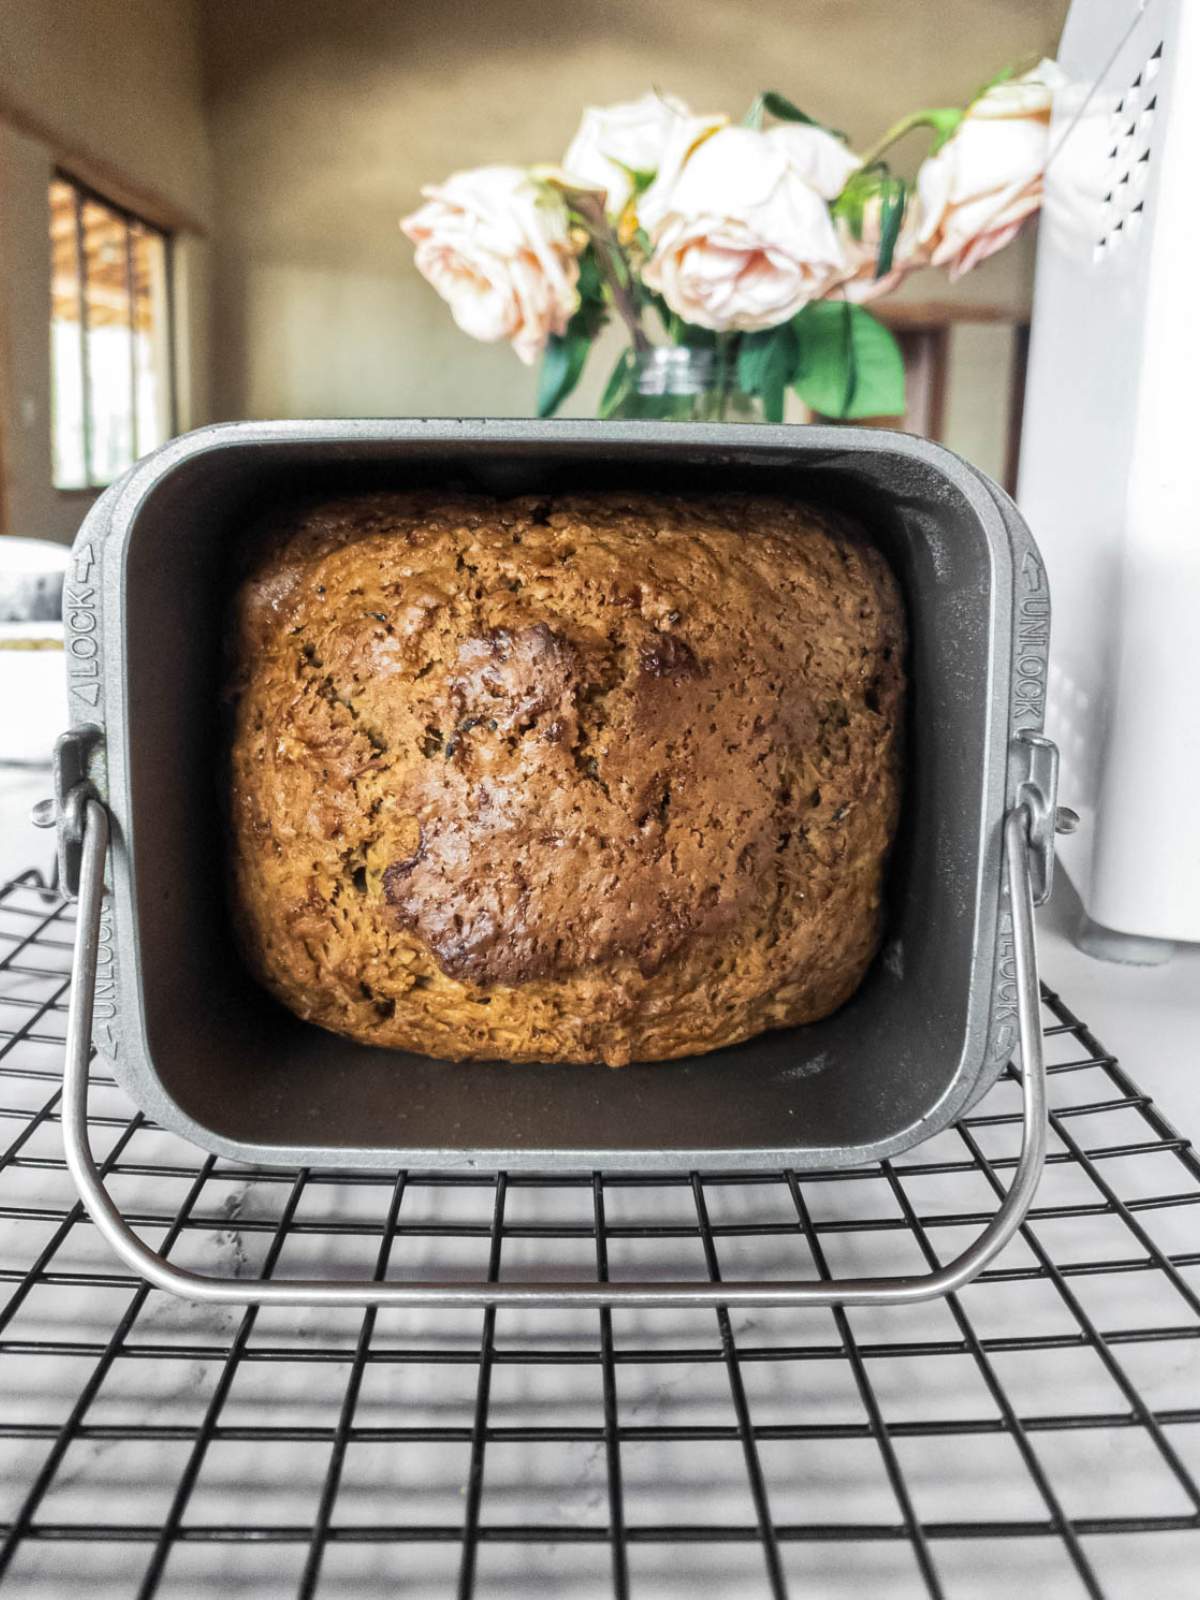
<point>815,156</point>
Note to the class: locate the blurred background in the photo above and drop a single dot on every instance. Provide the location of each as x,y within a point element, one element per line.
<point>199,203</point>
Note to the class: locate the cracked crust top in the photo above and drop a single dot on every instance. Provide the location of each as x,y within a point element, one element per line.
<point>603,777</point>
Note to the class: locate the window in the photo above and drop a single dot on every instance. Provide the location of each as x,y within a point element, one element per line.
<point>110,337</point>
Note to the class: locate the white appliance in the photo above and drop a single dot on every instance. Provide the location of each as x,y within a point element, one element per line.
<point>1110,464</point>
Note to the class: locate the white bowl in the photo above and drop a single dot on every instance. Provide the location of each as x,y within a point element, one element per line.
<point>33,691</point>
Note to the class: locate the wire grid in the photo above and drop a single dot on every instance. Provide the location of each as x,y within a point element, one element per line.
<point>1039,1430</point>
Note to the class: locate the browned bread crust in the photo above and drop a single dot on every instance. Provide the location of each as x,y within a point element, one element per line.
<point>603,777</point>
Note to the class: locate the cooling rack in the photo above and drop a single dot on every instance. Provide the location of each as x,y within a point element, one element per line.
<point>1038,1432</point>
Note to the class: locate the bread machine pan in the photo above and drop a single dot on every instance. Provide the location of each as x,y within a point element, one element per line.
<point>203,1051</point>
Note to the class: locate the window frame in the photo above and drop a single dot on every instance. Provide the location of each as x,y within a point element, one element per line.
<point>83,192</point>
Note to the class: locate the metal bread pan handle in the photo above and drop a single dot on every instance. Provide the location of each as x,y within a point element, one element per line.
<point>900,1290</point>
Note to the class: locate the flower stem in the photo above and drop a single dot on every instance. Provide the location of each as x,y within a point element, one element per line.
<point>588,206</point>
<point>607,256</point>
<point>943,121</point>
<point>610,259</point>
<point>726,357</point>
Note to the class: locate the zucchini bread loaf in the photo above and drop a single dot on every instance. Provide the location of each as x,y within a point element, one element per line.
<point>600,777</point>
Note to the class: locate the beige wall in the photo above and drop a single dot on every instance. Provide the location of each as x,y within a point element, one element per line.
<point>289,135</point>
<point>110,89</point>
<point>326,119</point>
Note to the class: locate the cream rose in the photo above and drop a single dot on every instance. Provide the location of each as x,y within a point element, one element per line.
<point>614,142</point>
<point>496,246</point>
<point>986,180</point>
<point>741,231</point>
<point>684,139</point>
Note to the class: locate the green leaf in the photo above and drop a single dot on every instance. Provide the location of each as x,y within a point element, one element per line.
<point>773,399</point>
<point>565,354</point>
<point>784,111</point>
<point>893,195</point>
<point>767,363</point>
<point>618,386</point>
<point>772,103</point>
<point>687,333</point>
<point>850,205</point>
<point>562,365</point>
<point>656,303</point>
<point>874,182</point>
<point>591,280</point>
<point>750,358</point>
<point>850,365</point>
<point>639,177</point>
<point>754,117</point>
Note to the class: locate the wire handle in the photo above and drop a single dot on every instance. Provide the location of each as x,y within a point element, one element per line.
<point>905,1290</point>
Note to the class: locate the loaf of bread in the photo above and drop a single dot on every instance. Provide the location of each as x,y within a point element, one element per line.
<point>598,777</point>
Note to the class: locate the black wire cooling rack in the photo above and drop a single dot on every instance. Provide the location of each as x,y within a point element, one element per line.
<point>1037,1434</point>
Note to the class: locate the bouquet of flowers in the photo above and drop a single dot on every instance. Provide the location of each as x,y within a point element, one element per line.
<point>760,243</point>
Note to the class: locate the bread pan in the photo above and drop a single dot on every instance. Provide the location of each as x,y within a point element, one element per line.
<point>203,1051</point>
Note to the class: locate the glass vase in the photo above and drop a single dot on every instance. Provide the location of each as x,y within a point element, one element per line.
<point>682,383</point>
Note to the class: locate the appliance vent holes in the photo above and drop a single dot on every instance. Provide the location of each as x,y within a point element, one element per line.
<point>1133,118</point>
